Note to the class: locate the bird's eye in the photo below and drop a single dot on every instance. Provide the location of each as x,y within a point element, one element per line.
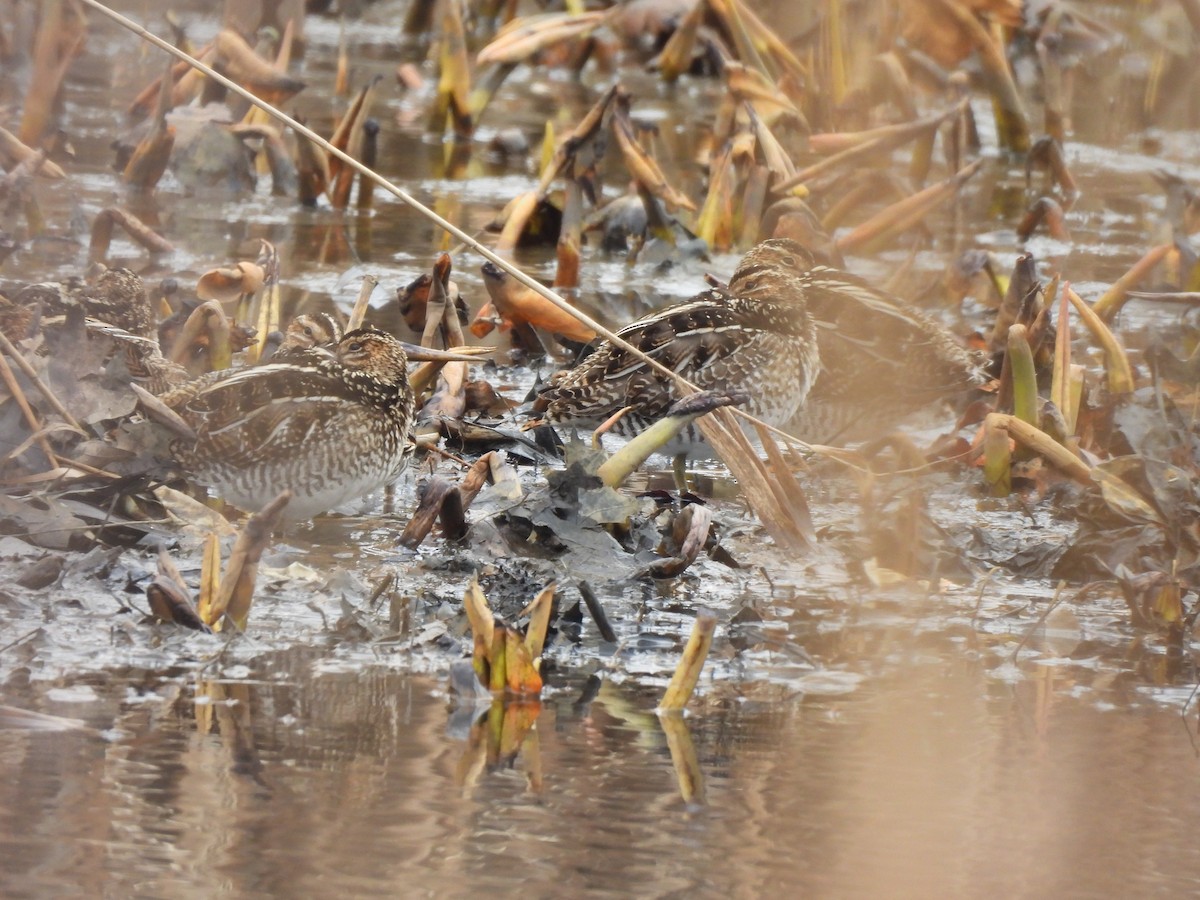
<point>750,285</point>
<point>356,347</point>
<point>789,261</point>
<point>308,332</point>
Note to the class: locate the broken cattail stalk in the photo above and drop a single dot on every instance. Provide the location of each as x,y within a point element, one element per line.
<point>426,374</point>
<point>1047,153</point>
<point>362,302</point>
<point>787,524</point>
<point>143,104</point>
<point>453,103</point>
<point>1044,211</point>
<point>482,623</point>
<point>906,213</point>
<point>790,489</point>
<point>1024,376</point>
<point>347,138</point>
<point>518,214</point>
<point>539,621</point>
<point>687,673</point>
<point>138,231</point>
<point>497,664</point>
<point>520,674</point>
<point>1061,376</point>
<point>435,305</point>
<point>1044,445</point>
<point>570,237</point>
<point>418,19</point>
<point>259,76</point>
<point>1075,396</point>
<point>1116,363</point>
<point>1114,298</point>
<point>850,146</point>
<point>285,179</point>
<point>689,533</point>
<point>614,470</point>
<point>13,152</point>
<point>207,325</point>
<point>676,56</point>
<point>477,476</point>
<point>518,304</point>
<point>642,167</point>
<point>61,33</point>
<point>312,171</point>
<point>370,153</point>
<point>1012,125</point>
<point>167,568</point>
<point>169,603</point>
<point>210,581</point>
<point>761,35</point>
<point>31,419</point>
<point>596,611</point>
<point>522,38</point>
<point>149,160</point>
<point>997,456</point>
<point>241,572</point>
<point>754,201</point>
<point>715,223</point>
<point>341,77</point>
<point>433,496</point>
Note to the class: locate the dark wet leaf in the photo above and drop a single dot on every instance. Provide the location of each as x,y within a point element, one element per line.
<point>1155,598</point>
<point>43,522</point>
<point>42,573</point>
<point>1097,552</point>
<point>604,505</point>
<point>1037,560</point>
<point>1149,424</point>
<point>169,603</point>
<point>79,374</point>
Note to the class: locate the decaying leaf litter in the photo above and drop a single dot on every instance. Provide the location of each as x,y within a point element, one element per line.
<point>859,147</point>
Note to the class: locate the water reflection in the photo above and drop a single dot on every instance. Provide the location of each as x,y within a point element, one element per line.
<point>936,777</point>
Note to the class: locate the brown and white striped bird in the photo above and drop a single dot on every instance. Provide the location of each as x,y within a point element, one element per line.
<point>819,351</point>
<point>754,336</point>
<point>881,358</point>
<point>331,425</point>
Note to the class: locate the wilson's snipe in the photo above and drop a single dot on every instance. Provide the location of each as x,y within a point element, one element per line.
<point>306,331</point>
<point>331,425</point>
<point>880,357</point>
<point>764,333</point>
<point>117,297</point>
<point>756,336</point>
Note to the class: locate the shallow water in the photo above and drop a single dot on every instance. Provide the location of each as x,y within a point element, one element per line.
<point>935,773</point>
<point>968,737</point>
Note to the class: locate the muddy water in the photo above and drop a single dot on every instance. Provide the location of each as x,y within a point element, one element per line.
<point>971,737</point>
<point>935,776</point>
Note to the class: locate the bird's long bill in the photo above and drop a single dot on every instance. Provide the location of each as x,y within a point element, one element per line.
<point>458,354</point>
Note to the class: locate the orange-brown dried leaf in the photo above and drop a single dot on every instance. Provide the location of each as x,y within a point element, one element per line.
<point>523,37</point>
<point>251,71</point>
<point>230,282</point>
<point>518,304</point>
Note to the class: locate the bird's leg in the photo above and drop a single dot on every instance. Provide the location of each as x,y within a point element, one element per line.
<point>608,424</point>
<point>679,471</point>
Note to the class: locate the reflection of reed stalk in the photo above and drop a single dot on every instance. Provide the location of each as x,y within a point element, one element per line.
<point>687,673</point>
<point>683,758</point>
